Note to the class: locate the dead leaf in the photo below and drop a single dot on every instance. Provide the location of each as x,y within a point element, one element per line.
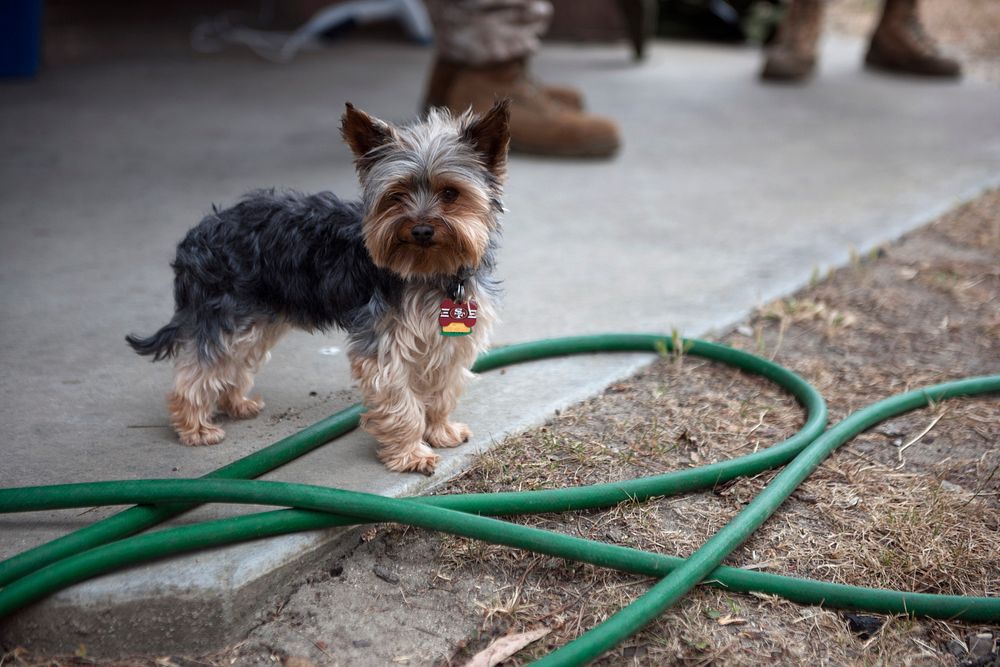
<point>297,661</point>
<point>504,647</point>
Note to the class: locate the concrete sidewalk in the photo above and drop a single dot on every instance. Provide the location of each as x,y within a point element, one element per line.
<point>727,193</point>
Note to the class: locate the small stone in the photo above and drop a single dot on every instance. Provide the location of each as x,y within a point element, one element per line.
<point>956,648</point>
<point>615,535</point>
<point>296,661</point>
<point>385,575</point>
<point>634,652</point>
<point>892,429</point>
<point>361,643</point>
<point>980,645</point>
<point>805,497</point>
<point>863,626</point>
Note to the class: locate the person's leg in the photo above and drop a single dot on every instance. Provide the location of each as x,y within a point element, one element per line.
<point>483,32</point>
<point>483,51</point>
<point>792,57</point>
<point>900,44</point>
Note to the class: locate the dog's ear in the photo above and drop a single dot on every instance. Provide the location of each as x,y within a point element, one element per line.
<point>489,135</point>
<point>362,132</point>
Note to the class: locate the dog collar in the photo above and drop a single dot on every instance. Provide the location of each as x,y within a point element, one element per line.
<point>456,286</point>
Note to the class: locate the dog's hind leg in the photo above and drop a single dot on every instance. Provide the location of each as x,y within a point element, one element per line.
<point>245,355</point>
<point>197,387</point>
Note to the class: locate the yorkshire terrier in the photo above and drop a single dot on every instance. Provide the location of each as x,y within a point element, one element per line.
<point>406,271</point>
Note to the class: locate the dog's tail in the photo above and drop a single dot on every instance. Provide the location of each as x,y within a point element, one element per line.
<point>163,344</point>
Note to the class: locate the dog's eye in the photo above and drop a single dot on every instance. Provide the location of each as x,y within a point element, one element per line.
<point>396,198</point>
<point>448,195</point>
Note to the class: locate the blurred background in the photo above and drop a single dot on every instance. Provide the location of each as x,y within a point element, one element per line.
<point>59,32</point>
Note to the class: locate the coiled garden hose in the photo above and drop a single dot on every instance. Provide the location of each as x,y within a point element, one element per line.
<point>104,546</point>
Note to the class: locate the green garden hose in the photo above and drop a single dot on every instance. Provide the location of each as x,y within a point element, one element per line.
<point>137,519</point>
<point>36,573</point>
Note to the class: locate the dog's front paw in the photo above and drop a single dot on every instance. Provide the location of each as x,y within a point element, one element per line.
<point>243,408</point>
<point>203,434</point>
<point>447,434</point>
<point>415,458</point>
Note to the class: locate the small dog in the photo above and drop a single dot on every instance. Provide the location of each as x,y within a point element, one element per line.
<point>407,272</point>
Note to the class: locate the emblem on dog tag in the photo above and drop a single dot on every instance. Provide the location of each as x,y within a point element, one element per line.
<point>457,317</point>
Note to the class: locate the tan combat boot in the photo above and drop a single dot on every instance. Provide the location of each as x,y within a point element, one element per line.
<point>443,74</point>
<point>899,44</point>
<point>792,57</point>
<point>541,123</point>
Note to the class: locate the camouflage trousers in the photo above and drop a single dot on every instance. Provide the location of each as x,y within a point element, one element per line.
<point>482,32</point>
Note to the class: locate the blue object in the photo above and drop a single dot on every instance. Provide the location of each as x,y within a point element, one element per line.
<point>20,37</point>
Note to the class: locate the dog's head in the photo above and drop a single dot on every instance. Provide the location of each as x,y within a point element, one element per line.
<point>431,190</point>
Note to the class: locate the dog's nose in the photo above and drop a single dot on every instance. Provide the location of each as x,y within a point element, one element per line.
<point>422,233</point>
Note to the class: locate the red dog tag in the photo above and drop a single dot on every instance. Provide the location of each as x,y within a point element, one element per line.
<point>457,318</point>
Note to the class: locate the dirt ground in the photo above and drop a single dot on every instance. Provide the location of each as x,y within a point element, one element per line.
<point>911,504</point>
